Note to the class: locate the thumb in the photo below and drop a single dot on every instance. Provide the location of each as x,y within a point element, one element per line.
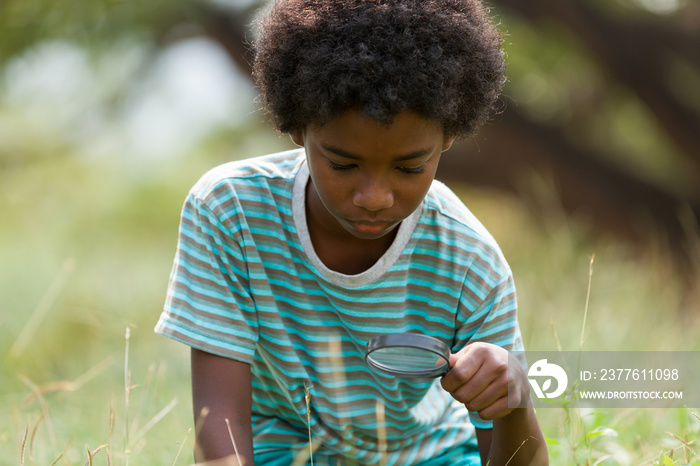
<point>454,357</point>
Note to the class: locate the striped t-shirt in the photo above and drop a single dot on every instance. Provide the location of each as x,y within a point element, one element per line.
<point>246,284</point>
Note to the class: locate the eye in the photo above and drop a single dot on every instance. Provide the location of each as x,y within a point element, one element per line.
<point>337,166</point>
<point>412,171</point>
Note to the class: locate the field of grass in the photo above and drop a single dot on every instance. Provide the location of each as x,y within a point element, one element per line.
<point>86,248</point>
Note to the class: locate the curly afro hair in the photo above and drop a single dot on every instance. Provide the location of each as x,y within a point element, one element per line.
<point>316,59</point>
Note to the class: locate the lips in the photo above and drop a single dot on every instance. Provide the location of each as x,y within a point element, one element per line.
<point>370,228</point>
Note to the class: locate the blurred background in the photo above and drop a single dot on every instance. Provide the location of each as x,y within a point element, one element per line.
<point>110,110</point>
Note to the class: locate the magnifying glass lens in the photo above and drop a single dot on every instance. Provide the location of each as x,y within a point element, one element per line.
<point>408,355</point>
<point>407,359</point>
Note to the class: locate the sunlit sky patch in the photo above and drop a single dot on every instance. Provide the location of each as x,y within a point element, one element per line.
<point>191,88</point>
<point>661,7</point>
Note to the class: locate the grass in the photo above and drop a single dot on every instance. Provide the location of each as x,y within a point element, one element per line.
<point>86,252</point>
<point>66,422</point>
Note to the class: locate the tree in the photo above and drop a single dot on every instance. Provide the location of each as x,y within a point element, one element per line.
<point>638,56</point>
<point>603,100</point>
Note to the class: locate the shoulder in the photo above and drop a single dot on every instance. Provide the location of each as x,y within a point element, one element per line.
<point>261,171</point>
<point>457,232</point>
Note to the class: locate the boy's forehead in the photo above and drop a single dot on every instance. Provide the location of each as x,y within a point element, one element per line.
<point>361,121</point>
<point>351,135</point>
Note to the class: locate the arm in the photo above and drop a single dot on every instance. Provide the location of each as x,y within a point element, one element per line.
<point>517,436</point>
<point>481,378</point>
<point>221,386</point>
<point>484,437</point>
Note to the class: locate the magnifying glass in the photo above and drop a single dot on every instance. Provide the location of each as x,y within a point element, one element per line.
<point>409,355</point>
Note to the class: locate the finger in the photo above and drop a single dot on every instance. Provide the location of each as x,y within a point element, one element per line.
<point>477,398</point>
<point>496,410</point>
<point>480,375</point>
<point>472,388</point>
<point>462,369</point>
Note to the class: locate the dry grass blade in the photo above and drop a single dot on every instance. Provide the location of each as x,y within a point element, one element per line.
<point>381,432</point>
<point>66,386</point>
<point>91,455</point>
<point>307,397</point>
<point>181,446</point>
<point>516,451</point>
<point>694,414</point>
<point>145,401</point>
<point>233,441</point>
<point>127,392</point>
<point>155,420</point>
<point>112,422</point>
<point>58,458</point>
<point>92,373</point>
<point>24,445</point>
<point>686,444</point>
<point>33,436</point>
<point>335,349</point>
<point>37,395</point>
<point>555,335</point>
<point>588,299</point>
<point>32,325</point>
<point>198,428</point>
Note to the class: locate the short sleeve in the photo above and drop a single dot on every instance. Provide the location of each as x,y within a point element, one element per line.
<point>489,315</point>
<point>494,320</point>
<point>208,304</point>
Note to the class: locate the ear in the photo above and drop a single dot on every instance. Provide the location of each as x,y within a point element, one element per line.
<point>297,138</point>
<point>447,143</point>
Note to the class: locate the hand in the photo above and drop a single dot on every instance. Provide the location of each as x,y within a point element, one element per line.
<point>482,376</point>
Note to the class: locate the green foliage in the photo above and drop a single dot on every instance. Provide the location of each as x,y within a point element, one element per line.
<point>93,23</point>
<point>555,81</point>
<point>88,245</point>
<point>88,249</point>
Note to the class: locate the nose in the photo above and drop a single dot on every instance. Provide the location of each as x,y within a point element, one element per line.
<point>373,195</point>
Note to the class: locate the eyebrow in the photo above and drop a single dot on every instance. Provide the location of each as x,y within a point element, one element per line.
<point>348,155</point>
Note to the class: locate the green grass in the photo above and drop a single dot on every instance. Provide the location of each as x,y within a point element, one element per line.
<point>572,289</point>
<point>86,251</point>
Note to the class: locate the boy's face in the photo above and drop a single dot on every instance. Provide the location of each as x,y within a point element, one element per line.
<point>366,177</point>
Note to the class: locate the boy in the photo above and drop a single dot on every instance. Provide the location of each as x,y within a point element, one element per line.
<point>288,264</point>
